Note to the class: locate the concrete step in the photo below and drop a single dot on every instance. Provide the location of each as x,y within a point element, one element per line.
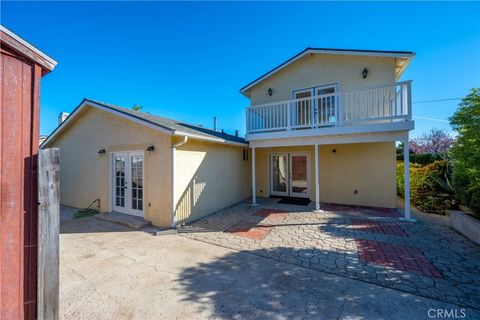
<point>129,221</point>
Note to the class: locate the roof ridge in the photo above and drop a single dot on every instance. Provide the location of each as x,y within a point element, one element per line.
<point>178,122</point>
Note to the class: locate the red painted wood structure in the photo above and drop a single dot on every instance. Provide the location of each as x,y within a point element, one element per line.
<point>22,66</point>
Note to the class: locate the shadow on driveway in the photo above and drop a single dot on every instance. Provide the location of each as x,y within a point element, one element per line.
<point>239,287</point>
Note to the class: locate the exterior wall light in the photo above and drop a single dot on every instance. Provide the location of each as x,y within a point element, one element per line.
<point>101,151</point>
<point>365,73</point>
<point>334,151</point>
<point>151,148</point>
<point>270,91</point>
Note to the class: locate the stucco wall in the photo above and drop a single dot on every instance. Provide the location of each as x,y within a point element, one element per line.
<point>209,177</point>
<point>319,69</point>
<point>84,174</point>
<point>368,168</point>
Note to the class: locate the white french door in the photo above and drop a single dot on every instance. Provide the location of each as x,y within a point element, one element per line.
<point>127,183</point>
<point>289,175</point>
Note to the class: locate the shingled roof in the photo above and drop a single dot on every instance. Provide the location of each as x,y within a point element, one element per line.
<point>172,126</point>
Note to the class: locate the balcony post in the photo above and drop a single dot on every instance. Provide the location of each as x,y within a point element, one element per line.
<point>406,167</point>
<point>317,179</point>
<point>409,93</point>
<point>254,185</point>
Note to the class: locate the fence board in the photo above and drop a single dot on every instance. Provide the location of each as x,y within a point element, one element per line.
<point>48,233</point>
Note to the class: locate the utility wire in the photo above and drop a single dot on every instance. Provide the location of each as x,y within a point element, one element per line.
<point>439,100</point>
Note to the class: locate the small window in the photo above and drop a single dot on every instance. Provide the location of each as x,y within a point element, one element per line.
<point>245,154</point>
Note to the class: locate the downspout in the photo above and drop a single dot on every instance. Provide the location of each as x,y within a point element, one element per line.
<point>174,204</point>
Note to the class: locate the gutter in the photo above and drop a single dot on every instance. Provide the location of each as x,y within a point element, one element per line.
<point>174,203</point>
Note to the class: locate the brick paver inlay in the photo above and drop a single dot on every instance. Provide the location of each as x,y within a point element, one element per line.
<point>378,227</point>
<point>269,213</point>
<point>395,256</point>
<point>363,243</point>
<point>250,230</point>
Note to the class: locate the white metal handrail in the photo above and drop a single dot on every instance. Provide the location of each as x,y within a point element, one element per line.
<point>380,104</point>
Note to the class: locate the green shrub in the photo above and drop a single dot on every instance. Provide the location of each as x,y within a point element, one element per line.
<point>466,152</point>
<point>421,158</point>
<point>429,189</point>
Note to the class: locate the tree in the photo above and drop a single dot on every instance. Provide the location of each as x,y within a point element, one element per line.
<point>137,107</point>
<point>436,141</point>
<point>466,152</point>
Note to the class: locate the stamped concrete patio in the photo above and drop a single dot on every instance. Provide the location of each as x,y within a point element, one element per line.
<point>425,258</point>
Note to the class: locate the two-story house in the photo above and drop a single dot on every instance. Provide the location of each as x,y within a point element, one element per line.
<point>321,126</point>
<point>324,124</point>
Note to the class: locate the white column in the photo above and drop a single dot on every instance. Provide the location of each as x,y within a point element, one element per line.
<point>254,185</point>
<point>317,184</point>
<point>406,175</point>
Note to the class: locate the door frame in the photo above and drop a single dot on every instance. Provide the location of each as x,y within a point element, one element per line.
<point>270,174</point>
<point>128,154</point>
<point>289,193</point>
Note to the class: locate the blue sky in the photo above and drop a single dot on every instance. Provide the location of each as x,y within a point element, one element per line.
<point>188,60</point>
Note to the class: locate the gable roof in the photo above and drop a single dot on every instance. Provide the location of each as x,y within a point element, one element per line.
<point>403,59</point>
<point>165,125</point>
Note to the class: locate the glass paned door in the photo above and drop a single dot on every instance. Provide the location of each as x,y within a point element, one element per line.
<point>137,182</point>
<point>303,108</point>
<point>119,182</point>
<point>279,174</point>
<point>298,175</point>
<point>289,175</point>
<point>128,183</point>
<point>326,104</point>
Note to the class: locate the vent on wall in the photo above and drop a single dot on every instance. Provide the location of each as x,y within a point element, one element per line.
<point>245,154</point>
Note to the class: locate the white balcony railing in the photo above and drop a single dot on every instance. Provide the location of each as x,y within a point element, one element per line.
<point>375,105</point>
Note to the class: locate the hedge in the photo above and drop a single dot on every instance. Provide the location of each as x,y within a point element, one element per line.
<point>421,158</point>
<point>429,189</point>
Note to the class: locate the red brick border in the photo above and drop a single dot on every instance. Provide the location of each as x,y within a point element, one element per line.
<point>269,213</point>
<point>395,256</point>
<point>250,230</point>
<point>378,227</point>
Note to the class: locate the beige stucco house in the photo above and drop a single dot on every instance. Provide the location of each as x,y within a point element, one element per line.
<point>321,126</point>
<point>165,171</point>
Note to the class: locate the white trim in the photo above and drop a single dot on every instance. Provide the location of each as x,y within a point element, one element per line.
<point>89,103</point>
<point>333,131</point>
<point>290,178</point>
<point>128,175</point>
<point>205,138</point>
<point>317,183</point>
<point>52,63</point>
<point>271,176</point>
<point>289,192</point>
<point>160,128</point>
<point>407,56</point>
<point>254,186</point>
<point>338,139</point>
<point>406,172</point>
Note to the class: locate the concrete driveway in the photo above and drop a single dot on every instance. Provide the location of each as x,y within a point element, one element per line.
<point>110,272</point>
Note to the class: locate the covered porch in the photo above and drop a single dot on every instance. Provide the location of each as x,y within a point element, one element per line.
<point>357,170</point>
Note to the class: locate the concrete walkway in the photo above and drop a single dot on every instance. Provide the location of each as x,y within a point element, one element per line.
<point>110,272</point>
<point>368,244</point>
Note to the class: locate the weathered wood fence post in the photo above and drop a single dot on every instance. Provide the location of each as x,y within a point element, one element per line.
<point>48,233</point>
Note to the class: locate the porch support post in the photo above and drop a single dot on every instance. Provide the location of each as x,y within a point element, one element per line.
<point>317,183</point>
<point>406,175</point>
<point>254,184</point>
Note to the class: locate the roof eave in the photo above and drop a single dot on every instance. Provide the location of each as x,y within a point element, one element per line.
<point>16,42</point>
<point>376,53</point>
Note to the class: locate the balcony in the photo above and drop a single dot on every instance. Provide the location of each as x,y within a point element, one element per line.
<point>380,105</point>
